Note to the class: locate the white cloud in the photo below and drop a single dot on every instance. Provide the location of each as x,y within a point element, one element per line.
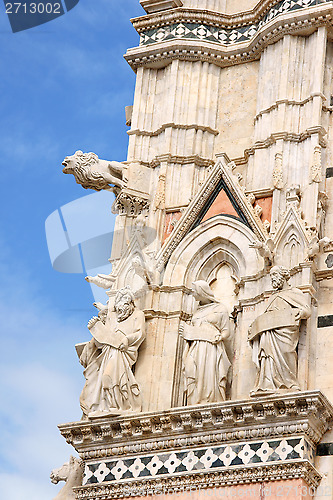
<point>16,487</point>
<point>41,380</point>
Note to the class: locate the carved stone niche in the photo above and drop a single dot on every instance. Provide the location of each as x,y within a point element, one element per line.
<point>152,6</point>
<point>271,438</point>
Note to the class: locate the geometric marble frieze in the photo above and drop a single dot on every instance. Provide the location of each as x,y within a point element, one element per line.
<point>200,459</point>
<point>225,36</point>
<point>184,486</point>
<point>233,442</point>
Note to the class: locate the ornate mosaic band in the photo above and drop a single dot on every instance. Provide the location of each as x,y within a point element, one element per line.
<point>223,36</point>
<point>201,459</point>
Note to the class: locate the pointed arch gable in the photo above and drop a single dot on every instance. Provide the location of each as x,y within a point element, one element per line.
<point>220,178</point>
<point>219,239</point>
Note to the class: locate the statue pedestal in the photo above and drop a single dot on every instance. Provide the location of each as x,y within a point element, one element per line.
<point>259,448</point>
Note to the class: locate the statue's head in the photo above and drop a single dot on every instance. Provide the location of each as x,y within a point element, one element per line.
<point>202,292</point>
<point>124,303</point>
<point>279,275</point>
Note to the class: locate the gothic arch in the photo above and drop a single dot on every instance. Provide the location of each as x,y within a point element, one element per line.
<point>219,239</point>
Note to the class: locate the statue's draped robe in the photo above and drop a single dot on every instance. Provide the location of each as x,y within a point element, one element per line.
<point>110,382</point>
<point>274,351</point>
<point>206,364</point>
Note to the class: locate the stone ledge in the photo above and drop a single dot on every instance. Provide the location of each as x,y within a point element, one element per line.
<point>303,413</point>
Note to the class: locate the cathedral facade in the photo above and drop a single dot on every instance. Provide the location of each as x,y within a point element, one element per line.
<point>209,370</point>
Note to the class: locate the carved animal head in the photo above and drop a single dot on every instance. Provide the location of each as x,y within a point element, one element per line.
<point>66,470</point>
<point>85,168</point>
<point>78,159</point>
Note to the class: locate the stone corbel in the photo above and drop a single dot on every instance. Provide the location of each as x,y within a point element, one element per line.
<point>130,203</point>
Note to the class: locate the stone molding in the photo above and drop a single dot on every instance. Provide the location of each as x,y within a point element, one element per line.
<point>325,274</point>
<point>290,137</point>
<point>182,160</point>
<point>289,102</point>
<point>174,126</point>
<point>160,52</point>
<point>308,413</point>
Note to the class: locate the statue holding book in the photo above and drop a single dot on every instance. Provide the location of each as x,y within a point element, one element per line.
<point>274,336</point>
<point>111,388</point>
<point>205,359</point>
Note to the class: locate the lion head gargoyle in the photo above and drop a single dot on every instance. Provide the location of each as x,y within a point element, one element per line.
<point>93,173</point>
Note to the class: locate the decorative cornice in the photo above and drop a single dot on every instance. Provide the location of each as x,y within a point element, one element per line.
<point>308,413</point>
<point>212,43</point>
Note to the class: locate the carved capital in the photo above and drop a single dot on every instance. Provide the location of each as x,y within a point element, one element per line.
<point>129,204</point>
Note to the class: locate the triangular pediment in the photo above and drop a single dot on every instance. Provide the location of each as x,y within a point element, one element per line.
<point>291,239</point>
<point>291,218</point>
<point>134,258</point>
<point>222,188</point>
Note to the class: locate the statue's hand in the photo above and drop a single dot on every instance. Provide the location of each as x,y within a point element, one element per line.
<point>298,315</point>
<point>256,244</point>
<point>92,322</point>
<point>218,338</point>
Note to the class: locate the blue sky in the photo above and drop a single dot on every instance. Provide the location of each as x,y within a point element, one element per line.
<point>64,86</point>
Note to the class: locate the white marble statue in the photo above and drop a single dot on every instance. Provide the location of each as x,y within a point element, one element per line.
<point>71,472</point>
<point>93,173</point>
<point>111,388</point>
<point>274,336</point>
<point>205,360</point>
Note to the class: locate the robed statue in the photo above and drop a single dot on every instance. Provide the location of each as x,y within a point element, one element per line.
<point>205,360</point>
<point>274,336</point>
<point>111,388</point>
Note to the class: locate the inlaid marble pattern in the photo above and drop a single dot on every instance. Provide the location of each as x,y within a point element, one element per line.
<point>184,30</point>
<point>201,459</point>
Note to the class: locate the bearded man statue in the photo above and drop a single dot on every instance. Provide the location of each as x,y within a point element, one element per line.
<point>274,336</point>
<point>111,388</point>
